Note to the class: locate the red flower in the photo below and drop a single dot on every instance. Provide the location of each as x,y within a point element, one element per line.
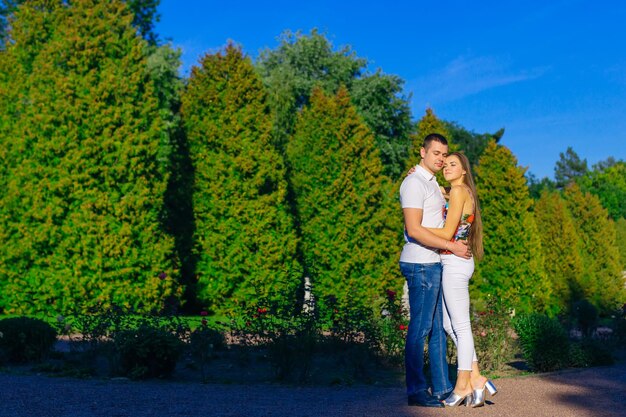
<point>483,334</point>
<point>204,313</point>
<point>403,327</point>
<point>391,295</point>
<point>261,310</point>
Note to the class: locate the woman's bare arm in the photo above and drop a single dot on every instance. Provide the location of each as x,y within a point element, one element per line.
<point>458,196</point>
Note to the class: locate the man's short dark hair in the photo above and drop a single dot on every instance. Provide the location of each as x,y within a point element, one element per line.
<point>434,137</point>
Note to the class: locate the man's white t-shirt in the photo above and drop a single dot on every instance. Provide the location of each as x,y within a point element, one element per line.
<point>420,190</point>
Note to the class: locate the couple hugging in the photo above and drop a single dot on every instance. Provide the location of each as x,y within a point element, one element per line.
<point>437,263</point>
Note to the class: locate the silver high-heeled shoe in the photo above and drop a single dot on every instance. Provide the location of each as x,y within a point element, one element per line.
<point>455,399</point>
<point>478,395</point>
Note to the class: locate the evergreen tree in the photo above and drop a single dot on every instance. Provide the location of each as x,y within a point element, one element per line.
<point>245,239</point>
<point>347,212</point>
<point>563,265</point>
<point>145,15</point>
<point>302,62</point>
<point>537,186</point>
<point>429,123</point>
<point>620,228</point>
<point>569,167</point>
<point>512,268</point>
<point>86,152</point>
<point>607,181</point>
<point>602,283</point>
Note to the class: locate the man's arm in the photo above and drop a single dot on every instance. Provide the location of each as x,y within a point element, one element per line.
<point>415,230</point>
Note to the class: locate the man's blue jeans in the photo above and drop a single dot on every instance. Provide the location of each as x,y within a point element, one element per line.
<point>424,282</point>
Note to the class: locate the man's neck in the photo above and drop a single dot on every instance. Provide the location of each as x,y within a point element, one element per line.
<point>425,167</point>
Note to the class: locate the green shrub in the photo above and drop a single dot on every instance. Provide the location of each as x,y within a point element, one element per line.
<point>147,352</point>
<point>203,343</point>
<point>619,329</point>
<point>391,327</point>
<point>492,340</point>
<point>586,316</point>
<point>290,336</point>
<point>25,339</point>
<point>544,342</point>
<point>590,352</point>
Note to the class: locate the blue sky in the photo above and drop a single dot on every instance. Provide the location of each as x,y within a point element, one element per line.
<point>552,73</point>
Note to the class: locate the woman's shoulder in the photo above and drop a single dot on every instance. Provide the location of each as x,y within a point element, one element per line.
<point>459,191</point>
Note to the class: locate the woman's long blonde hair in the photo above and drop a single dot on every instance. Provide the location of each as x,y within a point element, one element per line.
<point>475,238</point>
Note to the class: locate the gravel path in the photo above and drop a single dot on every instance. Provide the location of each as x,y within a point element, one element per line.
<point>587,392</point>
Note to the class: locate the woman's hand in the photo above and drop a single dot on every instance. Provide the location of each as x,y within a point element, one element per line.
<point>412,170</point>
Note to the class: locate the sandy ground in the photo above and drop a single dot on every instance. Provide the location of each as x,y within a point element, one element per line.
<point>588,392</point>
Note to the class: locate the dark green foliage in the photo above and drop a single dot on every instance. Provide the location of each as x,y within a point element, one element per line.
<point>379,99</point>
<point>608,182</point>
<point>544,342</point>
<point>24,339</point>
<point>85,155</point>
<point>145,16</point>
<point>537,186</point>
<point>302,62</point>
<point>290,338</point>
<point>569,167</point>
<point>590,352</point>
<point>349,218</point>
<point>586,316</point>
<point>292,70</point>
<point>205,340</point>
<point>472,144</point>
<point>245,242</point>
<point>619,327</point>
<point>512,268</point>
<point>147,352</point>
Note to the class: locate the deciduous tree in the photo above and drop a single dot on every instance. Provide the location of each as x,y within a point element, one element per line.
<point>302,62</point>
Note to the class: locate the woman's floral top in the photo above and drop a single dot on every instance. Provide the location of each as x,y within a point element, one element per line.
<point>462,230</point>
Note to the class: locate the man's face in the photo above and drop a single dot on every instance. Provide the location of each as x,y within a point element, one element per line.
<point>433,157</point>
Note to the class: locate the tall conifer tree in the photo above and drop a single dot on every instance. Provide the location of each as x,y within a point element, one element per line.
<point>349,218</point>
<point>512,269</point>
<point>429,123</point>
<point>602,283</point>
<point>245,239</point>
<point>82,134</point>
<point>563,265</point>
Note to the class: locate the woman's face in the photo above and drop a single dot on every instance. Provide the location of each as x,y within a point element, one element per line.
<point>452,169</point>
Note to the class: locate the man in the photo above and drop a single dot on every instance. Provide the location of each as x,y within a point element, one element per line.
<point>422,205</point>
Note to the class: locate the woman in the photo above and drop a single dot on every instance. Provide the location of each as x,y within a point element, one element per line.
<point>462,222</point>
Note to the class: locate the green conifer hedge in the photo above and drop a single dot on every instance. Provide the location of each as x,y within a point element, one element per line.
<point>349,217</point>
<point>84,154</point>
<point>245,241</point>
